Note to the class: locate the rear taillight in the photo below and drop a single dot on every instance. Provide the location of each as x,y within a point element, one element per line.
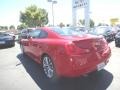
<point>100,44</point>
<point>72,49</point>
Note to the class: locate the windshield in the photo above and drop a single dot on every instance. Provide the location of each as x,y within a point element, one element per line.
<point>68,31</point>
<point>102,30</point>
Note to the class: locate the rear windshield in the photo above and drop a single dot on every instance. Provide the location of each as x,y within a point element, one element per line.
<point>68,31</point>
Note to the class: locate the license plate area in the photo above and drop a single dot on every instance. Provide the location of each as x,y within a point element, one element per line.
<point>100,66</point>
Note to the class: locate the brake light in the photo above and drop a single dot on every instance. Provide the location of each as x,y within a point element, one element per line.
<point>72,49</point>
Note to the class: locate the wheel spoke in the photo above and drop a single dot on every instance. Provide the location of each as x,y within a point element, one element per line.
<point>48,67</point>
<point>50,73</point>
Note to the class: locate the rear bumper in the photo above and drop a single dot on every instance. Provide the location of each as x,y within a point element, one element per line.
<point>76,66</point>
<point>7,43</point>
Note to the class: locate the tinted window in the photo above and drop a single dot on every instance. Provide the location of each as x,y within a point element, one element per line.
<point>68,31</point>
<point>35,33</point>
<point>43,34</point>
<point>38,34</point>
<point>26,31</point>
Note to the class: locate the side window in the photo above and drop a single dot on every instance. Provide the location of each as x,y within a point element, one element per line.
<point>35,33</point>
<point>43,34</point>
<point>38,34</point>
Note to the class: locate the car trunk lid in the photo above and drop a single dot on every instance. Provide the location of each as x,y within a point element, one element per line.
<point>89,42</point>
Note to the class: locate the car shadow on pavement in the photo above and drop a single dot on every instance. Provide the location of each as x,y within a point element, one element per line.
<point>94,81</point>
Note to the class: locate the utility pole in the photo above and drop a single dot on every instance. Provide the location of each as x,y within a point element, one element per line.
<point>77,4</point>
<point>53,2</point>
<point>87,16</point>
<point>73,14</point>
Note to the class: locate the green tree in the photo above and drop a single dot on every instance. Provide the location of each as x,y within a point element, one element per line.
<point>33,16</point>
<point>12,27</point>
<point>6,27</point>
<point>21,26</point>
<point>3,27</point>
<point>82,22</point>
<point>61,25</point>
<point>0,27</point>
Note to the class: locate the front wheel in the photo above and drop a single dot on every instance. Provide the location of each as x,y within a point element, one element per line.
<point>13,44</point>
<point>48,67</point>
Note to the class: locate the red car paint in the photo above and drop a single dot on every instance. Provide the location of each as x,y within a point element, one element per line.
<point>72,55</point>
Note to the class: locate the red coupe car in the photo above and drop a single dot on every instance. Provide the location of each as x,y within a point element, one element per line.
<point>66,52</point>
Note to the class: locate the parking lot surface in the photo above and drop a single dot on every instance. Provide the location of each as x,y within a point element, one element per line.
<point>22,73</point>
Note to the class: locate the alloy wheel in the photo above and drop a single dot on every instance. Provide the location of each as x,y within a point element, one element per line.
<point>48,67</point>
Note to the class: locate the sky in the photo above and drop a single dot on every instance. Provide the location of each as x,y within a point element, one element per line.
<point>100,10</point>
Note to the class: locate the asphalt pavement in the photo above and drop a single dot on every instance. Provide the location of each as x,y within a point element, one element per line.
<point>22,73</point>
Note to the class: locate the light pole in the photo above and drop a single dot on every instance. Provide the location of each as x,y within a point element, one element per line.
<point>77,4</point>
<point>53,2</point>
<point>87,15</point>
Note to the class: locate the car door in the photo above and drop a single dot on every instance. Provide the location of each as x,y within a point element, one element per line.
<point>37,43</point>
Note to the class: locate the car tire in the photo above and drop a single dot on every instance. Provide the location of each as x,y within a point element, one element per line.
<point>48,68</point>
<point>117,45</point>
<point>13,44</point>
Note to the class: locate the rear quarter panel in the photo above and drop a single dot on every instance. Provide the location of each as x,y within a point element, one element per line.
<point>53,47</point>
